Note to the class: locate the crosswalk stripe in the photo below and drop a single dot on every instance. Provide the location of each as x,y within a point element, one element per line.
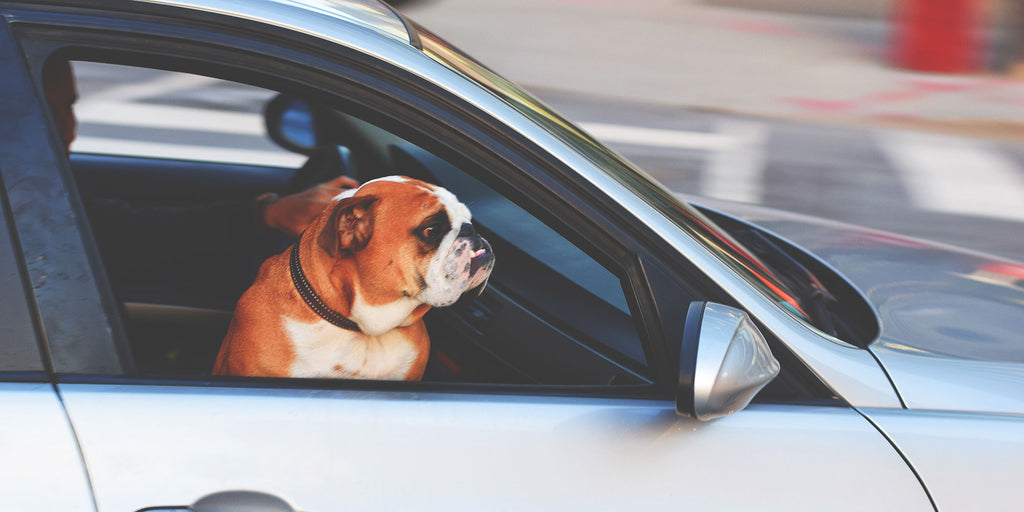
<point>161,85</point>
<point>677,139</point>
<point>108,146</point>
<point>142,115</point>
<point>736,174</point>
<point>956,175</point>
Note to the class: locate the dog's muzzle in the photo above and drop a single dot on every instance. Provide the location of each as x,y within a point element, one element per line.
<point>482,255</point>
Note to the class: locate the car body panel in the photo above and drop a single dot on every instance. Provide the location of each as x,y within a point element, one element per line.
<point>330,450</point>
<point>967,461</point>
<point>950,384</point>
<point>952,321</point>
<point>42,469</point>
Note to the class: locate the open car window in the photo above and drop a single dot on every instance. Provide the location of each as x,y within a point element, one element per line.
<point>132,111</point>
<point>168,179</point>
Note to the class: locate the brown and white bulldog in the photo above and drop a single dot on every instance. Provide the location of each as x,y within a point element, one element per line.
<point>348,298</point>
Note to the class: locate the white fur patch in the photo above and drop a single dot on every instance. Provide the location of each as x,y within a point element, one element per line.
<point>376,320</point>
<point>325,351</point>
<point>448,275</point>
<point>396,179</point>
<point>352,191</point>
<point>345,194</point>
<point>458,213</point>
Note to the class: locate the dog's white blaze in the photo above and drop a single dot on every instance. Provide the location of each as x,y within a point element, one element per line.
<point>394,178</point>
<point>352,191</point>
<point>325,351</point>
<point>345,194</point>
<point>457,212</point>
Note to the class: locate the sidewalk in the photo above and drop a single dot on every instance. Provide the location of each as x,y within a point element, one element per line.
<point>686,53</point>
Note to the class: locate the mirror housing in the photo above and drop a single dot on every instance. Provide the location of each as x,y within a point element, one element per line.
<point>723,362</point>
<point>291,124</point>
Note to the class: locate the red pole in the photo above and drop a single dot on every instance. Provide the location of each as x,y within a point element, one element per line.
<point>937,35</point>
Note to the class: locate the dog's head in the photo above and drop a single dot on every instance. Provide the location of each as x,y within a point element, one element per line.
<point>408,238</point>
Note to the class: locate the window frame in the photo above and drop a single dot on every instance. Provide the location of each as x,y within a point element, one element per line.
<point>23,357</point>
<point>25,192</point>
<point>614,248</point>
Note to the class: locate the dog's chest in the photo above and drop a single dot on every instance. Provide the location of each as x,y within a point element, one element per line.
<point>325,351</point>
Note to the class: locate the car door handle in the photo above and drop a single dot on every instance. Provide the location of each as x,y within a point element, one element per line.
<point>230,501</point>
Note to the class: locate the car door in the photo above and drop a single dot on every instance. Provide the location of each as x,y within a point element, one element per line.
<point>412,449</point>
<point>151,440</point>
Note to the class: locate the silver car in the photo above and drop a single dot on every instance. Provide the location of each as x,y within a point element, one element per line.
<point>633,351</point>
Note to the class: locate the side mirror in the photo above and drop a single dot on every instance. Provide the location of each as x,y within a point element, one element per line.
<point>723,362</point>
<point>290,123</point>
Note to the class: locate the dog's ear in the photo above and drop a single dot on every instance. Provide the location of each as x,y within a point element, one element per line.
<point>349,226</point>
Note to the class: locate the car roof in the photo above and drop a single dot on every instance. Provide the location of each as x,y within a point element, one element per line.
<point>314,17</point>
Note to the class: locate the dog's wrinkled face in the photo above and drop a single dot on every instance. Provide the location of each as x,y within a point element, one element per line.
<point>408,239</point>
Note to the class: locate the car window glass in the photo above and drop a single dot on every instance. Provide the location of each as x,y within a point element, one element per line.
<point>131,111</point>
<point>559,263</point>
<point>180,243</point>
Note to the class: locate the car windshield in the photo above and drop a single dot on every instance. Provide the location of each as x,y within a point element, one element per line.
<point>685,216</point>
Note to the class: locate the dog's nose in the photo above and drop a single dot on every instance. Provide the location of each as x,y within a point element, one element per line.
<point>467,229</point>
<point>483,256</point>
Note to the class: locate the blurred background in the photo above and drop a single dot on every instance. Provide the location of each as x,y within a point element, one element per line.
<point>903,115</point>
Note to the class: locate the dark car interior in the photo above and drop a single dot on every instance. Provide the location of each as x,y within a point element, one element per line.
<point>550,314</point>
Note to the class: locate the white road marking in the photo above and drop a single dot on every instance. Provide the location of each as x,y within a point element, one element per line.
<point>737,173</point>
<point>956,175</point>
<point>187,152</point>
<point>140,115</point>
<point>678,139</point>
<point>164,84</point>
<point>735,162</point>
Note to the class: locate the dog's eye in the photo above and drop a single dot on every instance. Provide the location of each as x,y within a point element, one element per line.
<point>433,229</point>
<point>431,233</point>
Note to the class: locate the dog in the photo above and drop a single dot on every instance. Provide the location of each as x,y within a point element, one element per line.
<point>347,299</point>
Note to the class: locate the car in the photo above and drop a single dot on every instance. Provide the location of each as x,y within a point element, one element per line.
<point>634,348</point>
